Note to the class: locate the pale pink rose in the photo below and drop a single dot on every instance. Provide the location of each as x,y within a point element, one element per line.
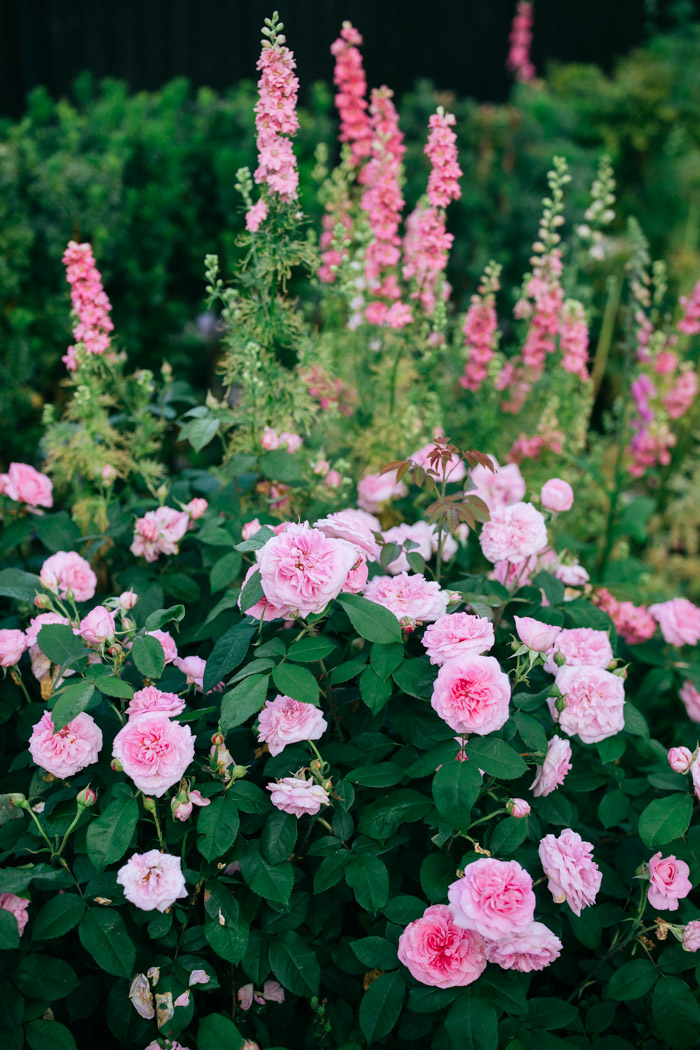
<point>66,571</point>
<point>152,880</point>
<point>298,797</point>
<point>24,484</point>
<point>355,526</point>
<point>691,698</point>
<point>440,953</point>
<point>455,469</point>
<point>333,479</point>
<point>255,216</point>
<point>197,508</point>
<point>584,647</point>
<point>668,882</point>
<point>146,701</point>
<point>691,936</point>
<point>159,532</point>
<point>108,473</point>
<point>455,634</point>
<point>302,570</point>
<point>495,898</point>
<point>128,599</point>
<point>513,533</point>
<point>518,807</point>
<point>168,644</point>
<point>557,495</point>
<point>594,703</point>
<point>285,721</point>
<point>199,977</point>
<point>411,598</point>
<point>420,534</point>
<point>573,875</point>
<point>533,949</point>
<point>472,694</point>
<point>292,442</point>
<point>185,801</point>
<point>497,488</point>
<point>538,636</point>
<point>571,574</point>
<point>12,645</point>
<point>552,772</point>
<point>35,625</point>
<point>262,610</point>
<point>321,467</point>
<point>247,1044</point>
<point>69,750</point>
<point>193,667</point>
<point>680,759</point>
<point>357,577</point>
<point>377,489</point>
<point>679,621</point>
<point>154,752</point>
<point>16,906</point>
<point>270,439</point>
<point>250,528</point>
<point>97,626</point>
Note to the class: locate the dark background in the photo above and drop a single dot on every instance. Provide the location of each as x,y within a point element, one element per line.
<point>459,44</point>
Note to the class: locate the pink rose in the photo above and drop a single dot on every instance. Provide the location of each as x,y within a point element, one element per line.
<point>454,469</point>
<point>495,898</point>
<point>680,759</point>
<point>66,571</point>
<point>150,699</point>
<point>97,626</point>
<point>285,721</point>
<point>298,797</point>
<point>594,703</point>
<point>197,508</point>
<point>169,647</point>
<point>250,528</point>
<point>472,694</point>
<point>411,598</point>
<point>584,646</point>
<point>695,774</point>
<point>357,577</point>
<point>128,599</point>
<point>270,439</point>
<point>691,698</point>
<point>440,953</point>
<point>518,807</point>
<point>679,621</point>
<point>571,574</point>
<point>154,752</point>
<point>24,484</point>
<point>540,637</point>
<point>456,634</point>
<point>514,576</point>
<point>573,875</point>
<point>533,949</point>
<point>333,479</point>
<point>292,442</point>
<point>668,882</point>
<point>552,772</point>
<point>497,488</point>
<point>355,526</point>
<point>302,570</point>
<point>35,625</point>
<point>16,906</point>
<point>12,645</point>
<point>172,1045</point>
<point>419,534</point>
<point>159,532</point>
<point>152,880</point>
<point>513,533</point>
<point>691,936</point>
<point>262,610</point>
<point>377,489</point>
<point>69,750</point>
<point>183,803</point>
<point>557,495</point>
<point>193,667</point>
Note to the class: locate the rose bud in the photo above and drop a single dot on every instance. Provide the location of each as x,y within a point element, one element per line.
<point>680,759</point>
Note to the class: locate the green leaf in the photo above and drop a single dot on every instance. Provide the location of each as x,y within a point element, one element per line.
<point>633,980</point>
<point>252,592</point>
<point>110,685</point>
<point>472,1024</point>
<point>280,465</point>
<point>613,808</point>
<point>9,931</point>
<point>159,618</point>
<point>49,1035</point>
<point>508,835</point>
<point>108,836</point>
<point>216,1032</point>
<point>103,934</point>
<point>69,702</point>
<point>665,819</point>
<point>279,837</point>
<point>551,1013</point>
<point>375,691</point>
<point>331,870</point>
<point>201,431</point>
<point>44,977</point>
<point>22,586</point>
<point>531,732</point>
<point>224,928</point>
<point>385,659</point>
<point>437,871</point>
<point>57,531</point>
<point>58,916</point>
<point>375,952</point>
<point>416,678</point>
<point>59,644</point>
<point>148,656</point>
<point>676,1013</point>
<point>245,700</point>
<point>308,650</point>
<point>294,964</point>
<point>225,571</point>
<point>456,787</point>
<point>495,757</point>
<point>228,652</point>
<point>371,621</point>
<point>258,541</point>
<point>297,682</point>
<point>217,827</point>
<point>273,882</point>
<point>381,1006</point>
<point>379,775</point>
<point>368,877</point>
<point>384,816</point>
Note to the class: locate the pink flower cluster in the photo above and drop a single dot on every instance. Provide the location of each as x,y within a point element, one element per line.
<point>480,330</point>
<point>159,532</point>
<point>275,120</point>
<point>532,446</point>
<point>634,623</point>
<point>271,440</point>
<point>690,321</point>
<point>573,339</point>
<point>519,62</point>
<point>441,149</point>
<point>545,290</point>
<point>351,97</point>
<point>89,301</point>
<point>24,484</point>
<point>426,248</point>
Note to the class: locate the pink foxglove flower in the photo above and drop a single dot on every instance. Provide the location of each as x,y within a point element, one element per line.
<point>440,953</point>
<point>456,634</point>
<point>65,752</point>
<point>154,752</point>
<point>441,150</point>
<point>91,307</point>
<point>286,721</point>
<point>276,120</point>
<point>66,571</point>
<point>152,880</point>
<point>297,796</point>
<point>495,898</point>
<point>533,949</point>
<point>411,598</point>
<point>552,772</point>
<point>255,216</point>
<point>24,484</point>
<point>519,62</point>
<point>690,321</point>
<point>351,97</point>
<point>472,694</point>
<point>573,875</point>
<point>668,882</point>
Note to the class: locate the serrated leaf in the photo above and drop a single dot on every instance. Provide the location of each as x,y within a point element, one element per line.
<point>310,650</point>
<point>368,877</point>
<point>23,586</point>
<point>58,643</point>
<point>294,964</point>
<point>381,1006</point>
<point>371,621</point>
<point>297,682</point>
<point>108,836</point>
<point>217,827</point>
<point>58,916</point>
<point>69,702</point>
<point>456,787</point>
<point>228,652</point>
<point>243,701</point>
<point>148,656</point>
<point>633,980</point>
<point>495,757</point>
<point>159,618</point>
<point>271,881</point>
<point>665,819</point>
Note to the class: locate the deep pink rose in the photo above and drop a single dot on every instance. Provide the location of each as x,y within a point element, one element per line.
<point>355,526</point>
<point>533,949</point>
<point>679,621</point>
<point>594,703</point>
<point>557,495</point>
<point>440,953</point>
<point>495,898</point>
<point>513,533</point>
<point>557,763</point>
<point>411,598</point>
<point>377,489</point>
<point>12,645</point>
<point>154,752</point>
<point>24,484</point>
<point>285,721</point>
<point>152,881</point>
<point>691,936</point>
<point>97,626</point>
<point>303,570</point>
<point>455,634</point>
<point>250,528</point>
<point>69,750</point>
<point>680,759</point>
<point>668,882</point>
<point>691,698</point>
<point>298,797</point>
<point>145,701</point>
<point>197,508</point>
<point>498,488</point>
<point>584,646</point>
<point>540,637</point>
<point>16,906</point>
<point>66,571</point>
<point>472,694</point>
<point>573,875</point>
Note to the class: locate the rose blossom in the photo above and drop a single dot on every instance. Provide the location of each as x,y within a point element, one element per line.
<point>154,752</point>
<point>262,610</point>
<point>411,598</point>
<point>303,570</point>
<point>440,953</point>
<point>67,571</point>
<point>513,533</point>
<point>518,807</point>
<point>472,694</point>
<point>557,495</point>
<point>24,484</point>
<point>297,797</point>
<point>97,626</point>
<point>128,599</point>
<point>573,875</point>
<point>691,698</point>
<point>538,636</point>
<point>182,804</point>
<point>167,643</point>
<point>193,667</point>
<point>141,996</point>
<point>455,634</point>
<point>584,646</point>
<point>668,882</point>
<point>680,759</point>
<point>355,526</point>
<point>679,621</point>
<point>552,772</point>
<point>16,906</point>
<point>197,508</point>
<point>533,949</point>
<point>152,880</point>
<point>12,645</point>
<point>594,703</point>
<point>145,701</point>
<point>159,532</point>
<point>495,898</point>
<point>377,489</point>
<point>572,574</point>
<point>250,528</point>
<point>357,577</point>
<point>37,622</point>
<point>499,487</point>
<point>691,936</point>
<point>69,750</point>
<point>285,721</point>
